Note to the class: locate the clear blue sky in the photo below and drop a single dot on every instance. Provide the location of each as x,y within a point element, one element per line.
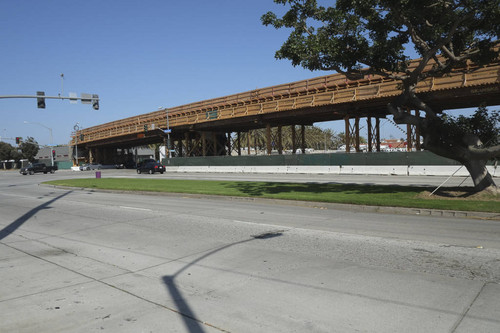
<point>136,55</point>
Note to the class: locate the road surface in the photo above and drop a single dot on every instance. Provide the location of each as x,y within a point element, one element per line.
<point>83,261</point>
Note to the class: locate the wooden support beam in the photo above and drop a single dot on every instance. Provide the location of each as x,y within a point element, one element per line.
<point>214,142</point>
<point>179,146</point>
<point>255,142</point>
<point>303,138</point>
<point>249,135</point>
<point>188,143</point>
<point>268,139</point>
<point>204,143</point>
<point>294,140</point>
<point>228,144</point>
<point>370,134</point>
<point>377,133</point>
<point>409,141</point>
<point>417,133</point>
<point>357,137</point>
<point>347,134</point>
<point>413,135</point>
<point>239,143</point>
<point>280,140</point>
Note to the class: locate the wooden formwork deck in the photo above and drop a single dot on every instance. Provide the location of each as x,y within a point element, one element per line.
<point>309,95</point>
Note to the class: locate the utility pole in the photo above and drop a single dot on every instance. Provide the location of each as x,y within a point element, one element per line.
<point>62,84</point>
<point>167,131</point>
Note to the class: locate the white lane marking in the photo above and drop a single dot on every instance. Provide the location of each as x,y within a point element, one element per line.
<point>136,208</point>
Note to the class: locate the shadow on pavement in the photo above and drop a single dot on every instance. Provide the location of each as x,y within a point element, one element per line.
<point>193,324</point>
<point>262,188</point>
<point>21,220</point>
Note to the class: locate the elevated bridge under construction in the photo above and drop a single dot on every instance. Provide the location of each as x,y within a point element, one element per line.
<point>224,125</point>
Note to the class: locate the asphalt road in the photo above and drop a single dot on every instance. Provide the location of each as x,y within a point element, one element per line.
<point>82,261</point>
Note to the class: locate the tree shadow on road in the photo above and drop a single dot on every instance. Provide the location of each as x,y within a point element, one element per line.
<point>269,188</point>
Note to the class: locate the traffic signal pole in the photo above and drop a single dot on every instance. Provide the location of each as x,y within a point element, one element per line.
<point>92,99</point>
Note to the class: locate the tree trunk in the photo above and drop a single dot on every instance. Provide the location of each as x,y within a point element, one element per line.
<point>480,176</point>
<point>432,129</point>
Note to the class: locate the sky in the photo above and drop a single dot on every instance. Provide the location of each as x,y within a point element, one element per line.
<point>137,56</point>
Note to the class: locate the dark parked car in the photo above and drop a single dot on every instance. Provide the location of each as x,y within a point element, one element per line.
<point>150,167</point>
<point>144,162</point>
<point>37,167</point>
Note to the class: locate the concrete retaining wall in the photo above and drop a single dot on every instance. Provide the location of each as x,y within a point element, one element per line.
<point>401,170</point>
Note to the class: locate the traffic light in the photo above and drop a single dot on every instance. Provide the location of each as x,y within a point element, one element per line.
<point>145,127</point>
<point>18,140</point>
<point>81,137</point>
<point>95,101</point>
<point>40,101</point>
<point>53,154</point>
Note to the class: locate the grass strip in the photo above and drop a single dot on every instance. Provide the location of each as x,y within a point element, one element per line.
<point>373,195</point>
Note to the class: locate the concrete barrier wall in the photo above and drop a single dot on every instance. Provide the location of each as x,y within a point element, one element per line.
<point>331,159</point>
<point>400,170</point>
<point>394,163</point>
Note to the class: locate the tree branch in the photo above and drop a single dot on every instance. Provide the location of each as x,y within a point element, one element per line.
<point>484,153</point>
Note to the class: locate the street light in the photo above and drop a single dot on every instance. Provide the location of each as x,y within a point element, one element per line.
<point>168,135</point>
<point>51,144</point>
<point>76,128</point>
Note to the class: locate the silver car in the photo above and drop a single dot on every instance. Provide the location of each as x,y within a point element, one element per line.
<point>90,166</point>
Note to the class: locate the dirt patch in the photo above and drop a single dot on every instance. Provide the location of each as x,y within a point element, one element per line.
<point>459,193</point>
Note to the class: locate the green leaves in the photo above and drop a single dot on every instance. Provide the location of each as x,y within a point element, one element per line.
<point>29,148</point>
<point>8,152</point>
<point>380,34</point>
<point>483,124</point>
